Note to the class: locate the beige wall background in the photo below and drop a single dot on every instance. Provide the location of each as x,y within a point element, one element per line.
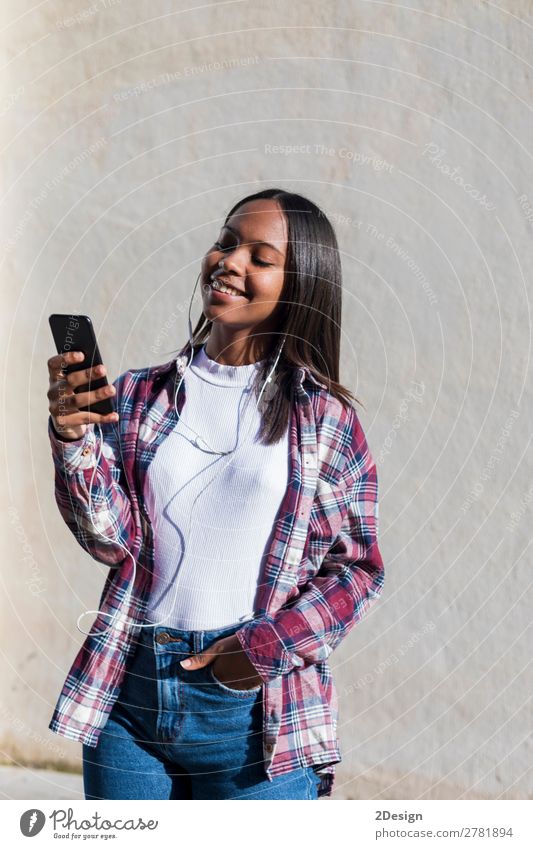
<point>128,130</point>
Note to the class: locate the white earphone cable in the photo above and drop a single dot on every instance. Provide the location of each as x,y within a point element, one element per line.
<point>116,615</point>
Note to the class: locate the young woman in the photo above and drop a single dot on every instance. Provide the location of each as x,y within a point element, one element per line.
<point>234,498</point>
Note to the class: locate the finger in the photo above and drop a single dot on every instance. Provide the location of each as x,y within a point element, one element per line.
<point>64,399</point>
<point>197,661</point>
<point>63,405</point>
<point>79,378</point>
<point>59,388</point>
<point>82,417</point>
<point>87,399</point>
<point>65,402</point>
<point>58,362</point>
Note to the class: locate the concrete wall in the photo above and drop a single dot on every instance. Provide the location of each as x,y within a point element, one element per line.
<point>129,129</point>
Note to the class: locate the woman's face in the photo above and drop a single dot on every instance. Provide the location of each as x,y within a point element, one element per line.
<point>248,256</point>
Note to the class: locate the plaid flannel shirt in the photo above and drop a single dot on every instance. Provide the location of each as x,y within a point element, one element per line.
<point>322,571</point>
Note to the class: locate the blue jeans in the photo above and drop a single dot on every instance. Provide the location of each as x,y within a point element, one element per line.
<point>177,734</point>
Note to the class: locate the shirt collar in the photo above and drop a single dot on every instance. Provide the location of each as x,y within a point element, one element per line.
<point>179,362</point>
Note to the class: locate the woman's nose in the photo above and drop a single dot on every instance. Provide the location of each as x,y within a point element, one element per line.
<point>234,261</point>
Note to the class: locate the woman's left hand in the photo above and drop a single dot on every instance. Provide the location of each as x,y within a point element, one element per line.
<point>233,667</point>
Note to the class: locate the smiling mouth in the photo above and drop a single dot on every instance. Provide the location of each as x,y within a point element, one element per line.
<point>219,286</point>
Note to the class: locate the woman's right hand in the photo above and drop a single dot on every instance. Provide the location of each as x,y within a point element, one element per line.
<point>69,421</point>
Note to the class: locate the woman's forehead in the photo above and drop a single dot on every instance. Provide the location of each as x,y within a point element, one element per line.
<point>255,218</point>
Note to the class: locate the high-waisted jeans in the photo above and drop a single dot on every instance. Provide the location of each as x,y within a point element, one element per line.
<point>177,734</point>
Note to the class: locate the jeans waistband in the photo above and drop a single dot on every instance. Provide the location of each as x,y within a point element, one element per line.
<point>159,637</point>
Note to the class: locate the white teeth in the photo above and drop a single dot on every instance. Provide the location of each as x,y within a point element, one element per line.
<point>217,284</point>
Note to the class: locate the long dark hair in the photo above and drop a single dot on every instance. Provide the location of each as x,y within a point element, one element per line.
<point>309,310</point>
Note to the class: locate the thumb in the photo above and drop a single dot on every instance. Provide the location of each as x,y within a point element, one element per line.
<point>197,661</point>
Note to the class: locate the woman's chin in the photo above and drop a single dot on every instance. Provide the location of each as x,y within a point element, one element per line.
<point>225,314</point>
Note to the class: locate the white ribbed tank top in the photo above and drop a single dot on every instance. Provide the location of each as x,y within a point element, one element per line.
<point>217,564</point>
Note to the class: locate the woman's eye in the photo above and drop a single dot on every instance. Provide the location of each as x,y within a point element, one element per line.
<point>220,247</point>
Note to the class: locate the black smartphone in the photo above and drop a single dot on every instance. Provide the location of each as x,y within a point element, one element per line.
<point>76,333</point>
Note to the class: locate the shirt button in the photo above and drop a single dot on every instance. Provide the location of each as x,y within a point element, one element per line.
<point>86,451</point>
<point>269,747</point>
<point>162,639</point>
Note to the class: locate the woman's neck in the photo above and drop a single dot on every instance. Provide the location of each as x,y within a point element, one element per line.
<point>233,351</point>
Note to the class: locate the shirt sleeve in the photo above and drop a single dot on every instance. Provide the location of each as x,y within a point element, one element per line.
<point>349,580</point>
<point>74,463</point>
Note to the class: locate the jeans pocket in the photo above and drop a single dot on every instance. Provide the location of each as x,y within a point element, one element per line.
<point>252,692</point>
